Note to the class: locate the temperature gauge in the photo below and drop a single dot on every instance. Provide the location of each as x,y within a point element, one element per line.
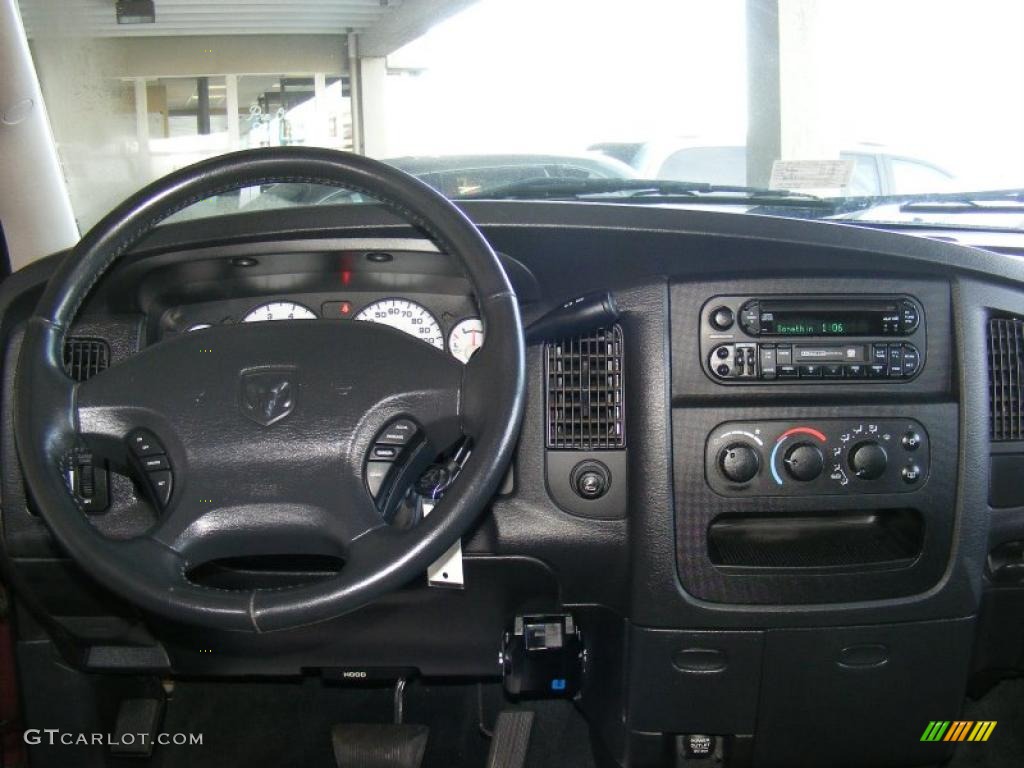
<point>466,338</point>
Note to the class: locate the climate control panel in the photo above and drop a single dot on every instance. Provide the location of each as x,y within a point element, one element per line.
<point>823,456</point>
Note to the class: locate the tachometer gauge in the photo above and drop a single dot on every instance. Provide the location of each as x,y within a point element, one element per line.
<point>466,338</point>
<point>279,310</point>
<point>406,316</point>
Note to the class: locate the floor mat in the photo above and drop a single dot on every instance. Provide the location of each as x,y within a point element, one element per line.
<point>288,724</point>
<point>1005,748</point>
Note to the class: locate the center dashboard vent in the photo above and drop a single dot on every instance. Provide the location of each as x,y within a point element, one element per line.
<point>84,358</point>
<point>1006,378</point>
<point>584,391</point>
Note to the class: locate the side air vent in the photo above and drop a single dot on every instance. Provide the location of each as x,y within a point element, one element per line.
<point>1006,378</point>
<point>584,391</point>
<point>84,358</point>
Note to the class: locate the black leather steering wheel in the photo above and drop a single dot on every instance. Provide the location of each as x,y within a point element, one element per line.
<point>295,486</point>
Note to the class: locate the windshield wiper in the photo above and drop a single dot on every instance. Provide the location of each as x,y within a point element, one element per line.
<point>993,201</point>
<point>638,190</point>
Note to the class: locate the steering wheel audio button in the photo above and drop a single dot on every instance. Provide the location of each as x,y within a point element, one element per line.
<point>142,442</point>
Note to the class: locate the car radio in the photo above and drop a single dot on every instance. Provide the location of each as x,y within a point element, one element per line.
<point>812,338</point>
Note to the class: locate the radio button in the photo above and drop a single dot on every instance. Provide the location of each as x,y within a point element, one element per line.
<point>877,371</point>
<point>832,371</point>
<point>784,355</point>
<point>750,318</point>
<point>856,371</point>
<point>909,316</point>
<point>767,362</point>
<point>810,371</point>
<point>722,353</point>
<point>788,372</point>
<point>880,354</point>
<point>911,360</point>
<point>896,360</point>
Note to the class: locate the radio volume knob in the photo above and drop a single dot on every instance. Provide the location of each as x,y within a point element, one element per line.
<point>868,460</point>
<point>739,462</point>
<point>804,462</point>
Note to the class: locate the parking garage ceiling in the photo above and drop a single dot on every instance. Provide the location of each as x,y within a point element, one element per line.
<point>383,25</point>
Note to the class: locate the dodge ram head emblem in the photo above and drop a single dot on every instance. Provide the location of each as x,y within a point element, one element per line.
<point>267,396</point>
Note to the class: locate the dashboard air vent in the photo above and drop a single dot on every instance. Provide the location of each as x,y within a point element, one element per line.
<point>1006,378</point>
<point>84,358</point>
<point>584,391</point>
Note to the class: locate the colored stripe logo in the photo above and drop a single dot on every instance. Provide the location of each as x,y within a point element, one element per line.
<point>958,730</point>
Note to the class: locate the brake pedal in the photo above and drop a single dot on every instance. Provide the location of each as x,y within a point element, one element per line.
<point>511,739</point>
<point>372,745</point>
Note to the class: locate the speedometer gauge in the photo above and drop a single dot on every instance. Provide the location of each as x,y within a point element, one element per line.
<point>279,310</point>
<point>406,316</point>
<point>466,338</point>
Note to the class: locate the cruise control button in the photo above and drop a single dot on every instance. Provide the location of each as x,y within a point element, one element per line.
<point>142,442</point>
<point>162,484</point>
<point>154,463</point>
<point>399,433</point>
<point>376,474</point>
<point>384,453</point>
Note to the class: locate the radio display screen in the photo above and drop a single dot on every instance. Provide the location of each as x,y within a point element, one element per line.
<point>824,324</point>
<point>853,318</point>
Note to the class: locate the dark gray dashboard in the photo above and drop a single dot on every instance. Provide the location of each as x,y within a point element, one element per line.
<point>689,562</point>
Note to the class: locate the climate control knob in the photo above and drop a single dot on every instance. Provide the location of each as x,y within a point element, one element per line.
<point>803,462</point>
<point>739,462</point>
<point>868,460</point>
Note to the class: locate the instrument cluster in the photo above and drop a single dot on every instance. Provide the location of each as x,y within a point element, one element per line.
<point>448,323</point>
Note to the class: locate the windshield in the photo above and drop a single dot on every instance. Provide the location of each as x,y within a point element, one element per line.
<point>872,101</point>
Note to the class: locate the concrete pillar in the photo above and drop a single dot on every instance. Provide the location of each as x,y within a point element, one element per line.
<point>231,105</point>
<point>785,91</point>
<point>38,220</point>
<point>352,43</point>
<point>808,132</point>
<point>203,106</point>
<point>142,115</point>
<point>373,80</point>
<point>764,124</point>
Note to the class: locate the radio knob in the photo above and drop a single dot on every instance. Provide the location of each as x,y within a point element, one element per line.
<point>739,462</point>
<point>722,319</point>
<point>803,462</point>
<point>868,460</point>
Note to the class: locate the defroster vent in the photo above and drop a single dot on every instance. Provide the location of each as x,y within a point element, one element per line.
<point>585,404</point>
<point>1006,378</point>
<point>84,358</point>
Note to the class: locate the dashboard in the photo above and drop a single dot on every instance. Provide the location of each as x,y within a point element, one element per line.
<point>781,482</point>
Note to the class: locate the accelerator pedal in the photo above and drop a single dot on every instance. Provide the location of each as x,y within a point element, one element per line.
<point>373,745</point>
<point>511,739</point>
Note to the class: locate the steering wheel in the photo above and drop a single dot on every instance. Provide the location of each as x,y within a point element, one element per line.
<point>269,426</point>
